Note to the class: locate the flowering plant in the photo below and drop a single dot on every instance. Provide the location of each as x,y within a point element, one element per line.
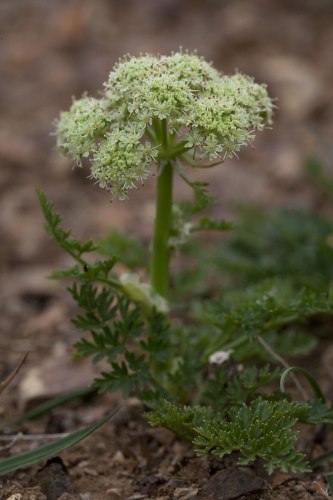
<point>174,113</point>
<point>170,111</point>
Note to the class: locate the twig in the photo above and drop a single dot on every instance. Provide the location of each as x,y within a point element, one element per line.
<point>32,437</point>
<point>9,445</point>
<point>12,375</point>
<point>284,363</point>
<point>28,437</point>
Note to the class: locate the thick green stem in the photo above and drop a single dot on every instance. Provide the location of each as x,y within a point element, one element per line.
<point>159,273</point>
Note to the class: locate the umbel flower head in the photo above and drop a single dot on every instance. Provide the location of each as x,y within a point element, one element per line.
<point>204,113</point>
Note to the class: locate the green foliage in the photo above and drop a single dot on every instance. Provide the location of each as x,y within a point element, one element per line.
<point>277,270</point>
<point>225,388</point>
<point>286,244</point>
<point>208,224</point>
<point>185,211</point>
<point>49,450</point>
<point>180,419</point>
<point>318,413</point>
<point>271,310</point>
<point>52,225</point>
<point>263,289</point>
<point>130,339</point>
<point>201,199</point>
<point>228,408</point>
<point>124,248</point>
<point>260,429</point>
<point>118,335</point>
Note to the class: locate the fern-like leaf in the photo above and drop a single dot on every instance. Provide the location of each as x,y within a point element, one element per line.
<point>260,430</point>
<point>52,225</point>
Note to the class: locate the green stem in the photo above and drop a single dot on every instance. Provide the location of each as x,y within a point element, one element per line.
<point>159,273</point>
<point>177,150</point>
<point>164,134</point>
<point>156,125</point>
<point>151,134</point>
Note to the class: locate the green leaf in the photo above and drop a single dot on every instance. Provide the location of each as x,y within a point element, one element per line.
<point>208,224</point>
<point>52,225</point>
<point>202,199</point>
<point>49,405</point>
<point>49,450</point>
<point>322,459</point>
<point>261,429</point>
<point>271,309</point>
<point>71,272</point>
<point>318,413</point>
<point>312,381</point>
<point>127,250</point>
<point>293,245</point>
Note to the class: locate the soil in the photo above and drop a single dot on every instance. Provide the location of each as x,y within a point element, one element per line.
<point>50,51</point>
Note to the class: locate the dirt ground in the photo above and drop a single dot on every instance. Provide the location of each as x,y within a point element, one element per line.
<point>50,51</point>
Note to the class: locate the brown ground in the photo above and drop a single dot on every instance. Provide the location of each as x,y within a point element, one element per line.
<point>52,50</point>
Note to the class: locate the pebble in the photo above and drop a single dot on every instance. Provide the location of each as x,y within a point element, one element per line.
<point>54,479</point>
<point>232,483</point>
<point>118,457</point>
<point>85,496</point>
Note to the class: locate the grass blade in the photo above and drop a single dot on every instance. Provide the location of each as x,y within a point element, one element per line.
<point>49,450</point>
<point>322,459</point>
<point>43,408</point>
<point>312,381</point>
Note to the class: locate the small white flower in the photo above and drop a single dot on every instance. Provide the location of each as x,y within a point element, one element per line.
<point>219,357</point>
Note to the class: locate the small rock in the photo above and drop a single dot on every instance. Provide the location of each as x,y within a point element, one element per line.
<point>232,483</point>
<point>118,457</point>
<point>54,479</point>
<point>91,472</point>
<point>83,463</point>
<point>85,496</point>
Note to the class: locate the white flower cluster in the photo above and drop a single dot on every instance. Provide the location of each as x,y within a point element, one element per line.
<point>215,115</point>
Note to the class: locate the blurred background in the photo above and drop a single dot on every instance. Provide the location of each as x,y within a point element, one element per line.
<point>53,50</point>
